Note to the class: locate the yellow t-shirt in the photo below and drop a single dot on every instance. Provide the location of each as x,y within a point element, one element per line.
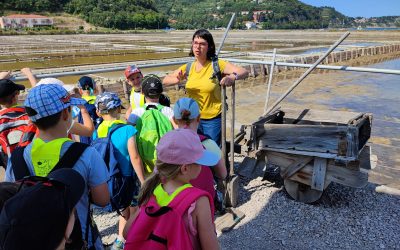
<point>206,91</point>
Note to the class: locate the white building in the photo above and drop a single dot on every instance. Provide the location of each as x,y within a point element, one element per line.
<point>21,21</point>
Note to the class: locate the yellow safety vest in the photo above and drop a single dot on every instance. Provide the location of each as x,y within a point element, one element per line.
<point>163,198</point>
<point>91,99</point>
<point>102,130</point>
<point>45,155</point>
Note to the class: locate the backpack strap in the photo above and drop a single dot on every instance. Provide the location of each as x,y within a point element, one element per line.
<point>112,130</point>
<point>70,157</point>
<point>19,166</point>
<point>109,134</point>
<point>188,68</point>
<point>216,70</point>
<point>186,197</point>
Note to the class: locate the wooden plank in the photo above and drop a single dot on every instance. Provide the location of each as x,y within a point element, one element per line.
<point>352,177</point>
<point>320,116</point>
<point>229,220</point>
<point>315,138</point>
<point>319,171</point>
<point>300,162</point>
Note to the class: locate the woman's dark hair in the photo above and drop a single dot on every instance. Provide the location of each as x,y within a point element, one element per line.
<point>206,35</point>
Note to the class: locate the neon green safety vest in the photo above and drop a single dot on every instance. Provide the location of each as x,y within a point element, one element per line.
<point>45,155</point>
<point>102,130</point>
<point>136,99</point>
<point>163,198</point>
<point>91,99</point>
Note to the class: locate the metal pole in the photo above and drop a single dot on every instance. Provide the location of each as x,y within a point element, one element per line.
<point>225,34</point>
<point>307,73</point>
<point>223,97</point>
<point>329,67</point>
<point>179,62</point>
<point>271,72</point>
<point>232,144</point>
<point>102,70</point>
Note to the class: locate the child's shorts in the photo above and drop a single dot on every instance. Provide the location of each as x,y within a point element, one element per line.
<point>134,202</point>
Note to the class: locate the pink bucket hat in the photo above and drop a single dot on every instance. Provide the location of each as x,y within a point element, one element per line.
<point>183,146</point>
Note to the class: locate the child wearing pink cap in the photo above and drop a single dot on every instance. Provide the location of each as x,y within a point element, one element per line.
<point>172,211</point>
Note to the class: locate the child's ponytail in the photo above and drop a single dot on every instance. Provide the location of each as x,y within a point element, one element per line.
<point>148,187</point>
<point>162,172</point>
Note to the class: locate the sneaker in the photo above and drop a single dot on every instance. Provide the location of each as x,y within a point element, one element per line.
<point>118,245</point>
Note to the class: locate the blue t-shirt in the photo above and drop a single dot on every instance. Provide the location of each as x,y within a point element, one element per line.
<point>119,139</point>
<point>93,170</point>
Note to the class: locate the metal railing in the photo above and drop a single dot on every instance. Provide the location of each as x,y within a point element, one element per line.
<point>234,60</point>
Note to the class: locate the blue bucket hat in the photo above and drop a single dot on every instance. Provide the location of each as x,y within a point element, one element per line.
<point>49,99</point>
<point>107,101</point>
<point>187,104</point>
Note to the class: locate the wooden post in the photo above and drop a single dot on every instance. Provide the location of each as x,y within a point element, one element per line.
<point>262,69</point>
<point>252,72</point>
<point>125,90</point>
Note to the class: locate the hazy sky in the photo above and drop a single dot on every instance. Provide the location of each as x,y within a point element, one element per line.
<point>364,8</point>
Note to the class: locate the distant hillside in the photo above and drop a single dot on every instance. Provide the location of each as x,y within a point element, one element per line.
<point>275,14</point>
<point>118,14</point>
<point>191,14</point>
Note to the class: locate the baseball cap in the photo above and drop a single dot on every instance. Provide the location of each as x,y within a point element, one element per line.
<point>37,216</point>
<point>86,83</point>
<point>7,87</point>
<point>49,99</point>
<point>187,104</point>
<point>183,146</point>
<point>152,86</point>
<point>107,101</point>
<point>130,70</point>
<point>51,80</point>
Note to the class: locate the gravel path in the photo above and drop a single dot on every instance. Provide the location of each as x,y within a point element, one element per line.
<point>344,218</point>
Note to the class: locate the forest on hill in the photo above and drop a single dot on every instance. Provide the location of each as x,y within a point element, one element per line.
<point>189,14</point>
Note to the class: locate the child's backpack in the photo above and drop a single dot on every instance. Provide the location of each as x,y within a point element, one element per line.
<point>91,109</point>
<point>151,126</point>
<point>68,160</point>
<point>121,187</point>
<point>159,228</point>
<point>15,130</point>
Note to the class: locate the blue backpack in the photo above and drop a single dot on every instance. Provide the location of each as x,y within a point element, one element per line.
<point>121,187</point>
<point>91,109</point>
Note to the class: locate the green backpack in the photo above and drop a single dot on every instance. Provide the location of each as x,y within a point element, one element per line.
<point>151,126</point>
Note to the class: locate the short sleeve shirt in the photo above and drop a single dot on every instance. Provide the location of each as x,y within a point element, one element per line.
<point>206,91</point>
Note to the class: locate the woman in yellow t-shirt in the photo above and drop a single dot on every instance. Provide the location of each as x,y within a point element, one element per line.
<point>202,87</point>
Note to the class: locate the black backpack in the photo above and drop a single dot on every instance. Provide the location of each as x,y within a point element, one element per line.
<point>68,160</point>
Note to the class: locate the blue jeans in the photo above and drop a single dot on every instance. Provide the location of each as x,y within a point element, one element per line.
<point>211,128</point>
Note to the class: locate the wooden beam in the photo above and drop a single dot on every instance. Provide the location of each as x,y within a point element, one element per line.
<point>300,162</point>
<point>319,171</point>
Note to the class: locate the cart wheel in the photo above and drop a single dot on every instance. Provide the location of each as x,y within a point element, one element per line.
<point>301,192</point>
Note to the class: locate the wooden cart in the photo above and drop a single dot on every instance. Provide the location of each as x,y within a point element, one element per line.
<point>312,148</point>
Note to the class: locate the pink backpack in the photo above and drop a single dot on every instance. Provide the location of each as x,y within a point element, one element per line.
<point>163,227</point>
